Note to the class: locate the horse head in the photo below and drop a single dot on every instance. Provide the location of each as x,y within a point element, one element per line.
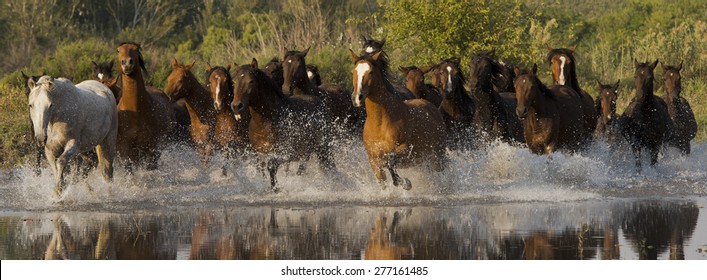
<point>313,74</point>
<point>129,56</point>
<point>607,101</point>
<point>274,70</point>
<point>644,77</point>
<point>483,69</point>
<point>27,79</point>
<point>528,88</point>
<point>448,77</point>
<point>40,106</point>
<point>245,86</point>
<point>103,70</point>
<point>673,79</point>
<point>414,77</point>
<point>363,75</point>
<point>562,64</point>
<point>294,70</point>
<point>177,81</point>
<point>371,45</point>
<point>220,85</point>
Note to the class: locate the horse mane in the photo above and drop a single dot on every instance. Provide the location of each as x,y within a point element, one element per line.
<point>229,81</point>
<point>382,65</point>
<point>141,60</point>
<point>543,88</point>
<point>274,60</point>
<point>262,77</point>
<point>573,69</point>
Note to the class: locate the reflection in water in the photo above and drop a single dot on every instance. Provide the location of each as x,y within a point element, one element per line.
<point>581,230</point>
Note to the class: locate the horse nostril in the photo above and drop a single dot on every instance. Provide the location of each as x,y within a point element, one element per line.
<point>240,106</point>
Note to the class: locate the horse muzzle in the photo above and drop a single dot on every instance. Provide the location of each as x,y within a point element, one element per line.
<point>237,109</point>
<point>218,106</point>
<point>522,113</point>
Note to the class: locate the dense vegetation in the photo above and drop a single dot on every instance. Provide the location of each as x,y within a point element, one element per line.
<point>63,37</point>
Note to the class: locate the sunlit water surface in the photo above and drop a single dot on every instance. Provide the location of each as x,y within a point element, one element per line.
<point>497,203</point>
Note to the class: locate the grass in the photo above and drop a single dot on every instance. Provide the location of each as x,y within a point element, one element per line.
<point>14,126</point>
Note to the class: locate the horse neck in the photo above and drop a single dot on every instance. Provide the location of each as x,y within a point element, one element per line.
<point>381,101</point>
<point>574,83</point>
<point>198,99</point>
<point>134,94</point>
<point>267,103</point>
<point>644,94</point>
<point>672,93</point>
<point>306,86</point>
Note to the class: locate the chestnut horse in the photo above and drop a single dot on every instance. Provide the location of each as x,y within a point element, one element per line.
<point>371,46</point>
<point>564,72</point>
<point>182,84</point>
<point>552,117</point>
<point>457,107</point>
<point>608,123</point>
<point>415,83</point>
<point>146,118</point>
<point>396,133</point>
<point>297,82</point>
<point>281,128</point>
<point>230,135</point>
<point>647,121</point>
<point>685,126</point>
<point>494,116</point>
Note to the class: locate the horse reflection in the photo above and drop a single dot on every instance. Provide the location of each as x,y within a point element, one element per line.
<point>656,228</point>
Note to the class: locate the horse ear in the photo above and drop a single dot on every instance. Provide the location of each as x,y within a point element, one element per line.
<point>376,55</point>
<point>635,62</point>
<point>189,66</point>
<point>654,64</point>
<point>24,77</point>
<point>426,69</point>
<point>95,65</point>
<point>235,66</point>
<point>285,53</point>
<point>31,83</point>
<point>208,66</point>
<point>572,48</point>
<point>662,65</point>
<point>354,57</point>
<point>304,53</point>
<point>403,70</point>
<point>680,66</point>
<point>517,71</point>
<point>174,63</point>
<point>254,63</point>
<point>618,83</point>
<point>363,39</point>
<point>598,84</point>
<point>535,68</point>
<point>228,67</point>
<point>548,47</point>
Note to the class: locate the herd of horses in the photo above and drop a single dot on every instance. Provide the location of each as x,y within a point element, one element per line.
<point>284,113</point>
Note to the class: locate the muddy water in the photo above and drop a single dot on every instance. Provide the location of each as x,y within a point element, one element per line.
<point>499,203</point>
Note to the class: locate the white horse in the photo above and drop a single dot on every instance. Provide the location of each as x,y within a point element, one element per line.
<point>70,119</point>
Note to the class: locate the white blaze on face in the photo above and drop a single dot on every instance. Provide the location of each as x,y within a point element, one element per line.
<point>217,101</point>
<point>369,50</point>
<point>562,71</point>
<point>361,70</point>
<point>100,76</point>
<point>310,75</point>
<point>449,79</point>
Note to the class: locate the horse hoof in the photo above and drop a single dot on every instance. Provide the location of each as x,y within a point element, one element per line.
<point>407,185</point>
<point>275,189</point>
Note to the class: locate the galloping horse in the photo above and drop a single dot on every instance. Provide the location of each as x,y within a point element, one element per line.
<point>647,121</point>
<point>182,84</point>
<point>396,133</point>
<point>563,65</point>
<point>552,117</point>
<point>457,107</point>
<point>69,120</point>
<point>274,70</point>
<point>371,46</point>
<point>685,126</point>
<point>281,128</point>
<point>494,116</point>
<point>415,83</point>
<point>146,117</point>
<point>297,82</point>
<point>608,124</point>
<point>230,136</point>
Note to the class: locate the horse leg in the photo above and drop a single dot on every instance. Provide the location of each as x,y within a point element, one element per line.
<point>377,170</point>
<point>273,164</point>
<point>153,158</point>
<point>105,161</point>
<point>70,150</point>
<point>397,180</point>
<point>654,155</point>
<point>637,155</point>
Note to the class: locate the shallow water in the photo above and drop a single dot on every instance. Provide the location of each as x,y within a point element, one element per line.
<point>497,203</point>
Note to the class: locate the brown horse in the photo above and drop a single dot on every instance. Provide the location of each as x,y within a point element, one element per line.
<point>182,84</point>
<point>281,128</point>
<point>231,136</point>
<point>274,70</point>
<point>608,122</point>
<point>313,74</point>
<point>371,46</point>
<point>494,116</point>
<point>685,126</point>
<point>457,107</point>
<point>646,120</point>
<point>297,82</point>
<point>563,65</point>
<point>552,117</point>
<point>146,118</point>
<point>415,83</point>
<point>396,133</point>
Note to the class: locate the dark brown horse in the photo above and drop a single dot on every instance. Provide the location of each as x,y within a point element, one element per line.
<point>564,72</point>
<point>608,123</point>
<point>685,126</point>
<point>182,84</point>
<point>274,70</point>
<point>281,128</point>
<point>552,117</point>
<point>230,135</point>
<point>145,119</point>
<point>457,107</point>
<point>415,83</point>
<point>495,111</point>
<point>103,71</point>
<point>313,74</point>
<point>297,82</point>
<point>647,123</point>
<point>396,133</point>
